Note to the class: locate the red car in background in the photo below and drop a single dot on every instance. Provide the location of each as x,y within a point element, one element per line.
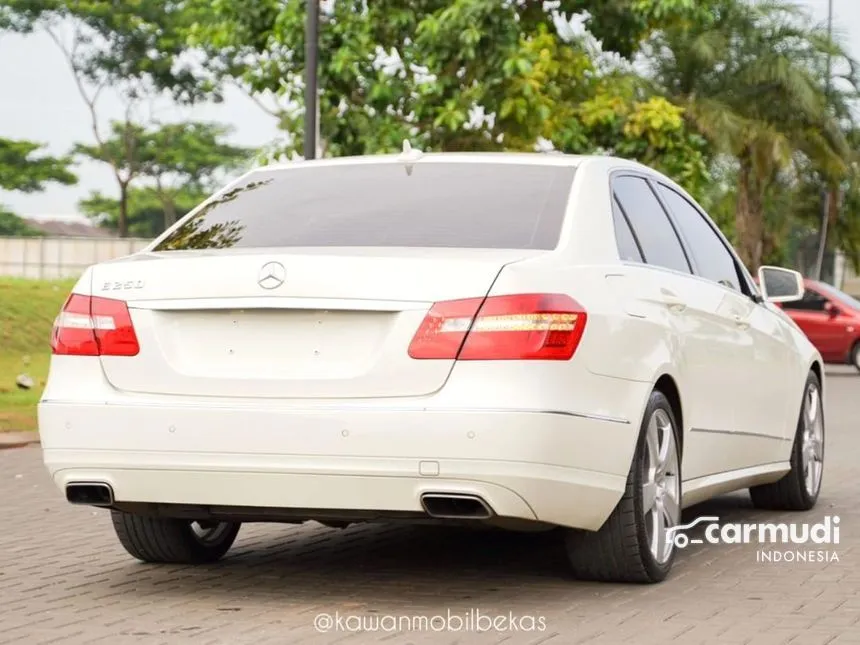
<point>831,321</point>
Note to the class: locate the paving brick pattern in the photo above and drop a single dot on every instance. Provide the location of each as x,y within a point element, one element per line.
<point>64,578</point>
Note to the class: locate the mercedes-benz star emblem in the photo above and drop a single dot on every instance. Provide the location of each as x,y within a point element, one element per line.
<point>272,275</point>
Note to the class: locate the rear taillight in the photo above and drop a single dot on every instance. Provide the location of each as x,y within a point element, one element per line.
<point>444,329</point>
<point>520,327</point>
<point>93,326</point>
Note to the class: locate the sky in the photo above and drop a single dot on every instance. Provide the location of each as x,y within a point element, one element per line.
<point>39,102</point>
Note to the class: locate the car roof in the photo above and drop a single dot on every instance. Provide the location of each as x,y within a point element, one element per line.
<point>529,158</point>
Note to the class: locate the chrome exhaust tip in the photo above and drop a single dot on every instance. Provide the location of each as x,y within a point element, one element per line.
<point>89,494</point>
<point>455,506</point>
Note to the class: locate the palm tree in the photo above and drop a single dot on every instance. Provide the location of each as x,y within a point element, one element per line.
<point>748,78</point>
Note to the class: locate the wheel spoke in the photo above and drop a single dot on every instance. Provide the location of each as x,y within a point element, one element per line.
<point>671,506</point>
<point>817,451</point>
<point>666,447</point>
<point>652,441</point>
<point>668,521</point>
<point>812,406</point>
<point>658,544</point>
<point>649,496</point>
<point>208,531</point>
<point>654,520</point>
<point>817,468</point>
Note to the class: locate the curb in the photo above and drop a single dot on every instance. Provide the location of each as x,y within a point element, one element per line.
<point>17,439</point>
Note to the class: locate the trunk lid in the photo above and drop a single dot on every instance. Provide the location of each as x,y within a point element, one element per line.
<point>311,323</point>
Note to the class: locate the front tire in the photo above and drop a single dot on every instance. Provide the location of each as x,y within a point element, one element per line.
<point>798,490</point>
<point>174,541</point>
<point>855,356</point>
<point>633,544</point>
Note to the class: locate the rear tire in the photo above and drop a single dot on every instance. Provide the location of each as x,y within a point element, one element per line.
<point>798,490</point>
<point>174,541</point>
<point>632,545</point>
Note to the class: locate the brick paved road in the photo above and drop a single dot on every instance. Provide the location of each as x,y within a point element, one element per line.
<point>64,578</point>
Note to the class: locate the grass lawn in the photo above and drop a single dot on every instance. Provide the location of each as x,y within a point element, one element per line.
<point>27,312</point>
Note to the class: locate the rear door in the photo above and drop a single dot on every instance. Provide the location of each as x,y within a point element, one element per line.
<point>311,282</point>
<point>707,341</point>
<point>761,374</point>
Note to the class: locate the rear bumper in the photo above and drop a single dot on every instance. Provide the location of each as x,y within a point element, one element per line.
<point>552,467</point>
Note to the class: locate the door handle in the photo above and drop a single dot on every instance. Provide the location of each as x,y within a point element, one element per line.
<point>672,300</point>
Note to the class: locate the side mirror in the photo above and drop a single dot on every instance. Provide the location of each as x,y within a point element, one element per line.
<point>832,310</point>
<point>780,285</point>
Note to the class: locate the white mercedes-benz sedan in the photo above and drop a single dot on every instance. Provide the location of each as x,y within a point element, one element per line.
<point>536,342</point>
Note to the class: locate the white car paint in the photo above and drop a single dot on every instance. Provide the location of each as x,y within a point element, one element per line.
<point>306,397</point>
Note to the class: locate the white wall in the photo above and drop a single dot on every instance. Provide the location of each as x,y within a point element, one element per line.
<point>60,257</point>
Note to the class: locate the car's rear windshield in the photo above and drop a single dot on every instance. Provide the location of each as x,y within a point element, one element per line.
<point>459,205</point>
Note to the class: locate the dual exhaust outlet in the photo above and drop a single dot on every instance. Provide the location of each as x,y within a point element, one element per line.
<point>443,506</point>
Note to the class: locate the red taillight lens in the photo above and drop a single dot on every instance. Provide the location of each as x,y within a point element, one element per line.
<point>444,329</point>
<point>92,326</point>
<point>519,327</point>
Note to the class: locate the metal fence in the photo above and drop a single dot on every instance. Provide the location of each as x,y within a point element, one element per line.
<point>67,257</point>
<point>60,257</point>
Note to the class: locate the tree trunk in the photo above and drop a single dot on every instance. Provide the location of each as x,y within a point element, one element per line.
<point>828,226</point>
<point>749,218</point>
<point>122,225</point>
<point>833,207</point>
<point>169,213</point>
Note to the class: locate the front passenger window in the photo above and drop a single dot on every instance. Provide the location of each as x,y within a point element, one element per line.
<point>713,260</point>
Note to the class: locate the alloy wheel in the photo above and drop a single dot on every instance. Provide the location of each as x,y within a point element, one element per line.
<point>209,532</point>
<point>812,446</point>
<point>661,485</point>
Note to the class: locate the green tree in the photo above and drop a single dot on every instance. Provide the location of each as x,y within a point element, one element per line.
<point>145,209</point>
<point>623,25</point>
<point>461,75</point>
<point>136,49</point>
<point>169,164</point>
<point>23,169</point>
<point>186,158</point>
<point>124,153</point>
<point>803,203</point>
<point>650,130</point>
<point>749,79</point>
<point>12,225</point>
<point>111,43</point>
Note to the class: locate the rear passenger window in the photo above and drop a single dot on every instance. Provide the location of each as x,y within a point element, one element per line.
<point>628,249</point>
<point>650,224</point>
<point>713,260</point>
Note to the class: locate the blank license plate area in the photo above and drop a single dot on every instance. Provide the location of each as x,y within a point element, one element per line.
<point>273,344</point>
